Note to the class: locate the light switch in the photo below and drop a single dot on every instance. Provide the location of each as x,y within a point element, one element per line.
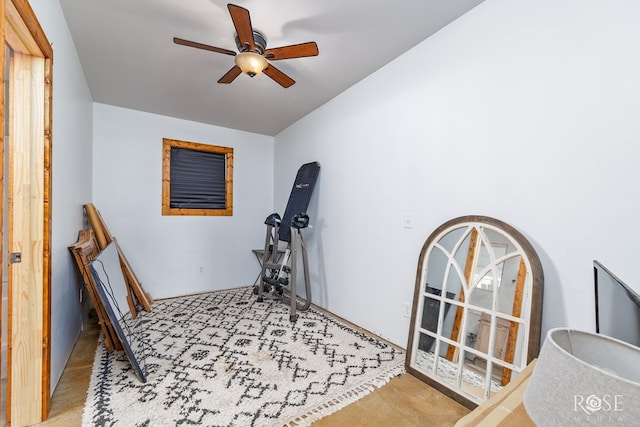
<point>407,220</point>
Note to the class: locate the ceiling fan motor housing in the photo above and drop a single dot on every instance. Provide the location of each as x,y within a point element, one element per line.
<point>259,40</point>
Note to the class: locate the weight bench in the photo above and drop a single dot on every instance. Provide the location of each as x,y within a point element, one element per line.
<point>280,267</point>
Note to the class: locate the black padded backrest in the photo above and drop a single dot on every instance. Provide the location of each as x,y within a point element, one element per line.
<point>300,197</point>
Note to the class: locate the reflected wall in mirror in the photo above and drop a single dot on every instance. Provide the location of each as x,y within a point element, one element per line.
<point>477,308</point>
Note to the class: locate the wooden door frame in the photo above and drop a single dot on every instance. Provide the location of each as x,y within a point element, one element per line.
<point>23,33</point>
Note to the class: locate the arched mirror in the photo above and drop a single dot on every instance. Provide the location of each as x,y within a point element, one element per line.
<point>477,307</point>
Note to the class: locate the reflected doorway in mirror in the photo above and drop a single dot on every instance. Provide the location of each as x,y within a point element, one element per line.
<point>477,308</point>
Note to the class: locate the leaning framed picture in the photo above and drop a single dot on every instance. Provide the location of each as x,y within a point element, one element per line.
<point>113,292</point>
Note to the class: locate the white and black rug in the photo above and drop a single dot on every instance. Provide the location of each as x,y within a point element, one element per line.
<point>223,359</point>
<point>448,372</point>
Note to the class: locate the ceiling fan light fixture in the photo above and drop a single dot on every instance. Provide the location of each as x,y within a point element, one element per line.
<point>251,63</point>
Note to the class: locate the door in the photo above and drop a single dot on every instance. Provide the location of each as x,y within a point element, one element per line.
<point>27,118</point>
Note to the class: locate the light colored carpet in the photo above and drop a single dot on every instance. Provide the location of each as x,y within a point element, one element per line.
<point>223,359</point>
<point>448,372</point>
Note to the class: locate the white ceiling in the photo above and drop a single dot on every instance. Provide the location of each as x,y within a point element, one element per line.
<point>127,52</point>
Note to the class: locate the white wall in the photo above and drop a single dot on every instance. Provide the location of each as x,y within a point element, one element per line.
<point>166,252</point>
<point>523,111</point>
<point>72,127</point>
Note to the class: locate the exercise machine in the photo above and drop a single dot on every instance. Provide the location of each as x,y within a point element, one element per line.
<point>280,266</point>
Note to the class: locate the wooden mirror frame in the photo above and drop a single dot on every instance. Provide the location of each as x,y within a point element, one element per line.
<point>532,279</point>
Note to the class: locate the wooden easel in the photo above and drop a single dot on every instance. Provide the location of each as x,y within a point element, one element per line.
<point>137,294</point>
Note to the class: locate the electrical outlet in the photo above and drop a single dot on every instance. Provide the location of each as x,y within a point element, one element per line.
<point>200,270</point>
<point>406,309</point>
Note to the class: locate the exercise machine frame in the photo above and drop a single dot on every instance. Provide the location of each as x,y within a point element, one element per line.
<point>278,269</point>
<point>276,273</point>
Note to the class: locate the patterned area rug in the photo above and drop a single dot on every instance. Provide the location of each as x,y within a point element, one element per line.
<point>223,359</point>
<point>448,371</point>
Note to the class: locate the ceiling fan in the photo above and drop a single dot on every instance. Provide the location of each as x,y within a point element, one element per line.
<point>253,57</point>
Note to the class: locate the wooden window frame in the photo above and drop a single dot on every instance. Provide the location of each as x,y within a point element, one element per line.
<point>167,144</point>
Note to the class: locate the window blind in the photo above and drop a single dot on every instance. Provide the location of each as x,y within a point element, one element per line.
<point>198,179</point>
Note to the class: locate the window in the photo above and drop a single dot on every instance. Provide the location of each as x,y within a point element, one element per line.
<point>197,179</point>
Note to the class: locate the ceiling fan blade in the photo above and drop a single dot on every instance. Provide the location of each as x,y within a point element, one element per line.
<point>293,51</point>
<point>230,75</point>
<point>197,45</point>
<point>242,22</point>
<point>281,78</point>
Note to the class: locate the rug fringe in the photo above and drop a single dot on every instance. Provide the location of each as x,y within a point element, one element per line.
<point>91,389</point>
<point>346,398</point>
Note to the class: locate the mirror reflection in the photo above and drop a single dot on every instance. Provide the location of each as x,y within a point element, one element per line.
<point>477,308</point>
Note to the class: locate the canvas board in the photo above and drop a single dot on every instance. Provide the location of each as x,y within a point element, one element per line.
<point>112,290</point>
